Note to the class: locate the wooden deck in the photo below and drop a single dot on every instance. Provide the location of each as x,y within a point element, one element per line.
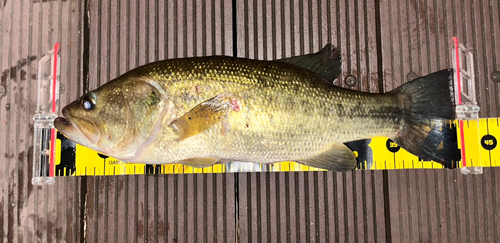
<point>383,43</point>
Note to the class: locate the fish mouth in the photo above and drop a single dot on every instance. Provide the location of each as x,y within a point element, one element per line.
<point>62,124</point>
<point>85,133</point>
<point>62,121</point>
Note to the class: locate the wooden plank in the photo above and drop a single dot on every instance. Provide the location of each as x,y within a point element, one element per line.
<point>441,205</point>
<point>34,213</point>
<point>311,206</point>
<point>460,208</point>
<point>335,210</point>
<point>150,207</point>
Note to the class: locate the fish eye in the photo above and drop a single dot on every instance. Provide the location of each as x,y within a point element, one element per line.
<point>87,105</point>
<point>88,102</point>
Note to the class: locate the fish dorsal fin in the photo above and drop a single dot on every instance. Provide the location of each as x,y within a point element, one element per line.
<point>338,158</point>
<point>204,116</point>
<point>326,62</point>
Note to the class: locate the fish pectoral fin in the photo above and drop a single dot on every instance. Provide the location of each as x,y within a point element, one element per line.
<point>338,158</point>
<point>204,115</point>
<point>326,62</point>
<point>199,162</point>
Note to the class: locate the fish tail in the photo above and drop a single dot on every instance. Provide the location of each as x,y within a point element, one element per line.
<point>428,102</point>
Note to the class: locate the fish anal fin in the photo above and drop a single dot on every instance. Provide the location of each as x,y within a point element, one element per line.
<point>199,162</point>
<point>338,158</point>
<point>204,116</point>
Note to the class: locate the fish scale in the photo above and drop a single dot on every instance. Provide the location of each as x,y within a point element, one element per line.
<point>305,118</point>
<point>204,110</point>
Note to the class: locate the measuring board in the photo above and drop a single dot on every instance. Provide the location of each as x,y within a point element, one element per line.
<point>475,139</point>
<point>373,154</point>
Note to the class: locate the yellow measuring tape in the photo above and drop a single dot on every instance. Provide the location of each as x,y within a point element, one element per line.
<point>373,154</point>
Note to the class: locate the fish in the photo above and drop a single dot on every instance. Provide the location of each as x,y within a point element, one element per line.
<point>201,111</point>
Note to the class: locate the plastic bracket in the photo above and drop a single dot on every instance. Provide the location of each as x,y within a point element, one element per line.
<point>465,98</point>
<point>47,106</point>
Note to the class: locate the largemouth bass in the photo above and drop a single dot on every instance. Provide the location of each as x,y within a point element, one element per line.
<point>201,111</point>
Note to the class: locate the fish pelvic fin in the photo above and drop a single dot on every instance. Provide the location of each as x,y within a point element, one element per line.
<point>326,62</point>
<point>200,162</point>
<point>428,103</point>
<point>338,158</point>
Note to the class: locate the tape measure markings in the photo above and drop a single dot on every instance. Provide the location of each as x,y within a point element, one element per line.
<point>485,154</point>
<point>371,154</point>
<point>494,152</point>
<point>488,141</point>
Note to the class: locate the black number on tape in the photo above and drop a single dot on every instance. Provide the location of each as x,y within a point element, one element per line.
<point>392,146</point>
<point>488,142</point>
